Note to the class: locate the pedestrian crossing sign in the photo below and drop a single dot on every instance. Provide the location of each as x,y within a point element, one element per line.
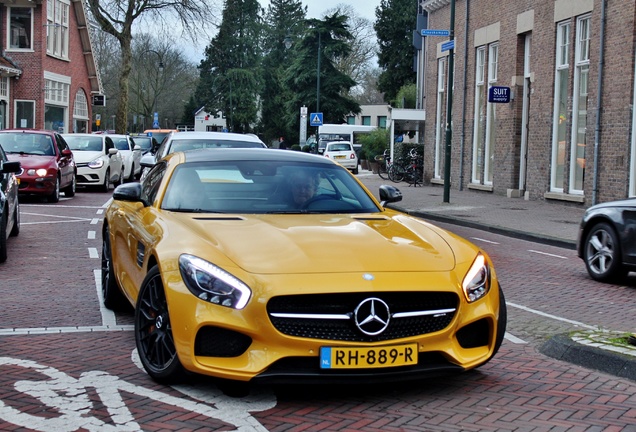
<point>315,119</point>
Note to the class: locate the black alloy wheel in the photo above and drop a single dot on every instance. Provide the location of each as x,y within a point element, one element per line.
<point>602,253</point>
<point>112,297</point>
<point>55,196</point>
<point>153,331</point>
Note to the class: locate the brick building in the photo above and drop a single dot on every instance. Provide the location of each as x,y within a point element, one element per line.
<point>568,132</point>
<point>47,71</point>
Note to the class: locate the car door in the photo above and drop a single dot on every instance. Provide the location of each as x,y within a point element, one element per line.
<point>115,161</point>
<point>65,161</point>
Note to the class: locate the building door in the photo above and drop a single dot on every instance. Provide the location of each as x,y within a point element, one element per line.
<point>523,162</point>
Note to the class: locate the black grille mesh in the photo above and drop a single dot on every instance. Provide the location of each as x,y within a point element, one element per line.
<point>346,303</point>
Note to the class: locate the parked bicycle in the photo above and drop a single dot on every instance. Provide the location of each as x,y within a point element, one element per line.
<point>384,164</point>
<point>414,170</point>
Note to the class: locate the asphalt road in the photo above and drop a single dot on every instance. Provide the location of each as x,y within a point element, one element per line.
<point>66,363</point>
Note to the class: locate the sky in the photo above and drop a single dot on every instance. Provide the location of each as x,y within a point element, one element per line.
<point>315,8</point>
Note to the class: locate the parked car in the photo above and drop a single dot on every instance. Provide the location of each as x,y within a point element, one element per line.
<point>48,165</point>
<point>343,153</point>
<point>607,240</point>
<point>147,143</point>
<point>184,141</point>
<point>9,204</point>
<point>160,134</point>
<point>130,154</point>
<point>247,276</point>
<point>99,163</point>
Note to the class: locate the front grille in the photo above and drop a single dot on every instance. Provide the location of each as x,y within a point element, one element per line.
<point>341,304</point>
<point>81,164</point>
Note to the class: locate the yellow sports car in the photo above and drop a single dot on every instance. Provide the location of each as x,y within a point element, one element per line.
<point>254,264</point>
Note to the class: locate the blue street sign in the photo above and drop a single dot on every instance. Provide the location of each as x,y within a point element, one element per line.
<point>315,119</point>
<point>155,123</point>
<point>499,94</point>
<point>448,45</point>
<point>433,32</point>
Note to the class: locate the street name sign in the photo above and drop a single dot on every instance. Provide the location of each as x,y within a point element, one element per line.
<point>448,45</point>
<point>433,32</point>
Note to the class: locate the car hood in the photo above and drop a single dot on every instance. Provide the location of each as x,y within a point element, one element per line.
<point>621,203</point>
<point>274,244</point>
<point>31,161</point>
<point>82,156</point>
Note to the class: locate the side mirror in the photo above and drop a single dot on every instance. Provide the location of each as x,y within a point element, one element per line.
<point>147,160</point>
<point>389,194</point>
<point>11,167</point>
<point>67,152</point>
<point>137,147</point>
<point>112,151</point>
<point>130,192</point>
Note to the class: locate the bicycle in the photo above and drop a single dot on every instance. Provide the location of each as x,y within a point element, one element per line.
<point>384,164</point>
<point>413,171</point>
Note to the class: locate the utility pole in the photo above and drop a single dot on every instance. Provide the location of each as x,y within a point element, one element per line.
<point>449,106</point>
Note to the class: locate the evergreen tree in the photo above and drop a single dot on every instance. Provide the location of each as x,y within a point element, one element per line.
<point>284,23</point>
<point>230,72</point>
<point>395,22</point>
<point>325,40</point>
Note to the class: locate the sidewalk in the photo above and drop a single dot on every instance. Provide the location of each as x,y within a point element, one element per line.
<point>550,223</point>
<point>545,222</point>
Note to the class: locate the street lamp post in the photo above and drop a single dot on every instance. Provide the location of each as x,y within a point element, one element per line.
<point>154,96</point>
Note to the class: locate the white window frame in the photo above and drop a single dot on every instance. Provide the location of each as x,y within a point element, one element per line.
<point>8,27</point>
<point>562,63</point>
<point>439,116</point>
<point>491,115</point>
<point>57,28</point>
<point>80,105</point>
<point>478,137</point>
<point>581,78</point>
<point>57,93</point>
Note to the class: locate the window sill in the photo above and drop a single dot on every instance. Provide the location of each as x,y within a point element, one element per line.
<point>560,196</point>
<point>481,187</point>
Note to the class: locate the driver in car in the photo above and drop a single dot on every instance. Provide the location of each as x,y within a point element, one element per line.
<point>303,186</point>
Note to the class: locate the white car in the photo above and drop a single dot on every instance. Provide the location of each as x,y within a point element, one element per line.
<point>98,161</point>
<point>343,153</point>
<point>130,154</point>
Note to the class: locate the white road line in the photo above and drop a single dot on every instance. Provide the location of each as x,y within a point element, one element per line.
<point>56,206</point>
<point>108,316</point>
<point>91,235</point>
<point>107,203</point>
<point>95,221</point>
<point>92,253</point>
<point>484,240</point>
<point>56,330</point>
<point>547,254</point>
<point>100,211</point>
<point>554,317</point>
<point>514,339</point>
<point>56,216</point>
<point>52,222</point>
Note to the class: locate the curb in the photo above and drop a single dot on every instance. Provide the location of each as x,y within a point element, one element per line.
<point>561,347</point>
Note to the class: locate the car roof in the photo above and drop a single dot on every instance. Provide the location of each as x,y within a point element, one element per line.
<point>246,154</point>
<point>31,131</point>
<point>228,136</point>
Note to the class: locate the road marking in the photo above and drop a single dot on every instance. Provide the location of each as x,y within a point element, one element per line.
<point>108,316</point>
<point>484,240</point>
<point>514,339</point>
<point>91,235</point>
<point>547,254</point>
<point>554,317</point>
<point>95,221</point>
<point>48,206</point>
<point>100,211</point>
<point>60,330</point>
<point>92,253</point>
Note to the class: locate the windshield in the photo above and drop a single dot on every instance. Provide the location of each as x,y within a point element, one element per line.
<point>203,143</point>
<point>27,143</point>
<point>84,143</point>
<point>144,142</point>
<point>121,143</point>
<point>251,187</point>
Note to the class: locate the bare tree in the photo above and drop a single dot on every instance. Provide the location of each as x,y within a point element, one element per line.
<point>117,17</point>
<point>363,45</point>
<point>366,92</point>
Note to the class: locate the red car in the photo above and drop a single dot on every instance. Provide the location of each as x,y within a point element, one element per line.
<point>48,167</point>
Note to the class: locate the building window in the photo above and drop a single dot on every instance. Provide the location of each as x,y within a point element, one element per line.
<point>24,114</point>
<point>479,119</point>
<point>560,110</point>
<point>491,116</point>
<point>579,105</point>
<point>351,120</point>
<point>56,102</point>
<point>382,122</point>
<point>4,87</point>
<point>366,120</point>
<point>57,28</point>
<point>80,112</point>
<point>20,28</point>
<point>439,116</point>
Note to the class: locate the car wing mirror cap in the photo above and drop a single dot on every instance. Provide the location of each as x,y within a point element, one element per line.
<point>147,161</point>
<point>389,194</point>
<point>130,192</point>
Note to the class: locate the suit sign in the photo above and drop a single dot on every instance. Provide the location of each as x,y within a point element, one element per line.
<point>315,119</point>
<point>99,100</point>
<point>499,94</point>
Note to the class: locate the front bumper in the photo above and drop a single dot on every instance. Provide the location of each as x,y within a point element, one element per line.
<point>32,185</point>
<point>90,177</point>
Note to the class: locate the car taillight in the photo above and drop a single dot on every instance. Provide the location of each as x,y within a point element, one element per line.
<point>327,156</point>
<point>352,156</point>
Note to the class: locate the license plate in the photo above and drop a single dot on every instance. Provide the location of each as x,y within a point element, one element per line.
<point>339,157</point>
<point>365,358</point>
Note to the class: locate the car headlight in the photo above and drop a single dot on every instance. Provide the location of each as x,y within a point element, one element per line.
<point>96,163</point>
<point>40,172</point>
<point>213,284</point>
<point>476,283</point>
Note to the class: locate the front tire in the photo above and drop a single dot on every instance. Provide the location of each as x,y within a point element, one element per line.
<point>112,296</point>
<point>153,331</point>
<point>106,184</point>
<point>69,191</point>
<point>16,221</point>
<point>3,237</point>
<point>55,196</point>
<point>602,253</point>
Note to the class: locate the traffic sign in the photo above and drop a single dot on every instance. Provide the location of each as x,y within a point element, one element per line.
<point>315,119</point>
<point>433,32</point>
<point>448,45</point>
<point>155,122</point>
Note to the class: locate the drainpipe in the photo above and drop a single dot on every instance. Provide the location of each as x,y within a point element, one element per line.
<point>463,134</point>
<point>599,92</point>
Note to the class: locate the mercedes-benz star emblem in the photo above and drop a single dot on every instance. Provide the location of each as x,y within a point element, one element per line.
<point>372,316</point>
